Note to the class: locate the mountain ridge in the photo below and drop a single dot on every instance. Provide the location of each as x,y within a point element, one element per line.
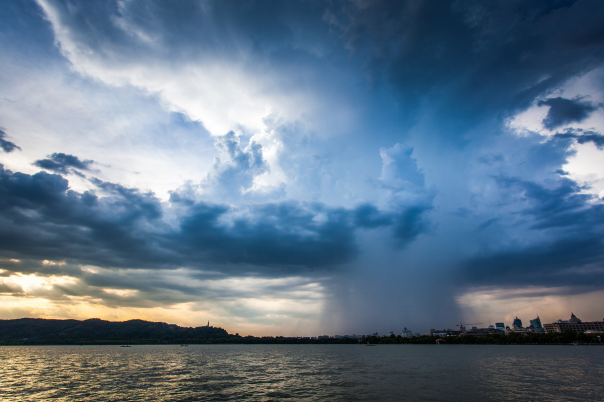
<point>95,330</point>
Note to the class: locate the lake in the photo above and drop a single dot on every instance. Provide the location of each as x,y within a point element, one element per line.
<point>301,372</point>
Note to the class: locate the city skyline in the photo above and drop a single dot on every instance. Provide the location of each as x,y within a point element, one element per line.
<point>288,167</point>
<point>536,327</point>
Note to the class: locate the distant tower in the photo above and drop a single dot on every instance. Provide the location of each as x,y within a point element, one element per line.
<point>574,319</point>
<point>536,323</point>
<point>208,324</point>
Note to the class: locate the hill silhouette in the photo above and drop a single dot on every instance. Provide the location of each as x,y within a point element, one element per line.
<point>40,331</point>
<point>97,331</point>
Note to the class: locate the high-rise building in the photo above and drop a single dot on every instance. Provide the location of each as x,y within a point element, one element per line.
<point>534,328</point>
<point>536,323</point>
<point>500,326</point>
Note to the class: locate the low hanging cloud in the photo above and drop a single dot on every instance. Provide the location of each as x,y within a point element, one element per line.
<point>63,163</point>
<point>124,228</point>
<point>573,262</point>
<point>565,111</point>
<point>6,145</point>
<point>566,231</point>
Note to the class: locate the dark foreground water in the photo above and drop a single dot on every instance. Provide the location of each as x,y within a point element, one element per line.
<point>301,372</point>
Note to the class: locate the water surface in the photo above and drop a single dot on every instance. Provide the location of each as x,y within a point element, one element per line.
<point>301,372</point>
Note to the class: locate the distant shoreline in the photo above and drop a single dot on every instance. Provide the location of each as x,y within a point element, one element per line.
<point>296,343</point>
<point>96,332</point>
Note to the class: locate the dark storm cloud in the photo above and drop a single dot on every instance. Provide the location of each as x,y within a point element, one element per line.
<point>564,111</point>
<point>406,224</point>
<point>567,229</point>
<point>568,262</point>
<point>287,233</point>
<point>195,29</point>
<point>63,163</point>
<point>564,206</point>
<point>6,145</point>
<point>472,60</point>
<point>42,219</point>
<point>582,137</point>
<point>368,216</point>
<point>283,234</point>
<point>131,202</point>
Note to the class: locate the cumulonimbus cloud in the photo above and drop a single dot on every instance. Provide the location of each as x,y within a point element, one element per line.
<point>287,196</point>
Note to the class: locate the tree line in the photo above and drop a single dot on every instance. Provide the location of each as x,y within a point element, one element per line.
<point>36,331</point>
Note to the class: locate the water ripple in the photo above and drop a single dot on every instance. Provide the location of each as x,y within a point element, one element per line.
<point>301,372</point>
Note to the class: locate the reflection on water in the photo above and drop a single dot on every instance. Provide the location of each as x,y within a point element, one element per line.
<point>298,372</point>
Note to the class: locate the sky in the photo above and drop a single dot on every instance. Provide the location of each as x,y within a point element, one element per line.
<point>302,167</point>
